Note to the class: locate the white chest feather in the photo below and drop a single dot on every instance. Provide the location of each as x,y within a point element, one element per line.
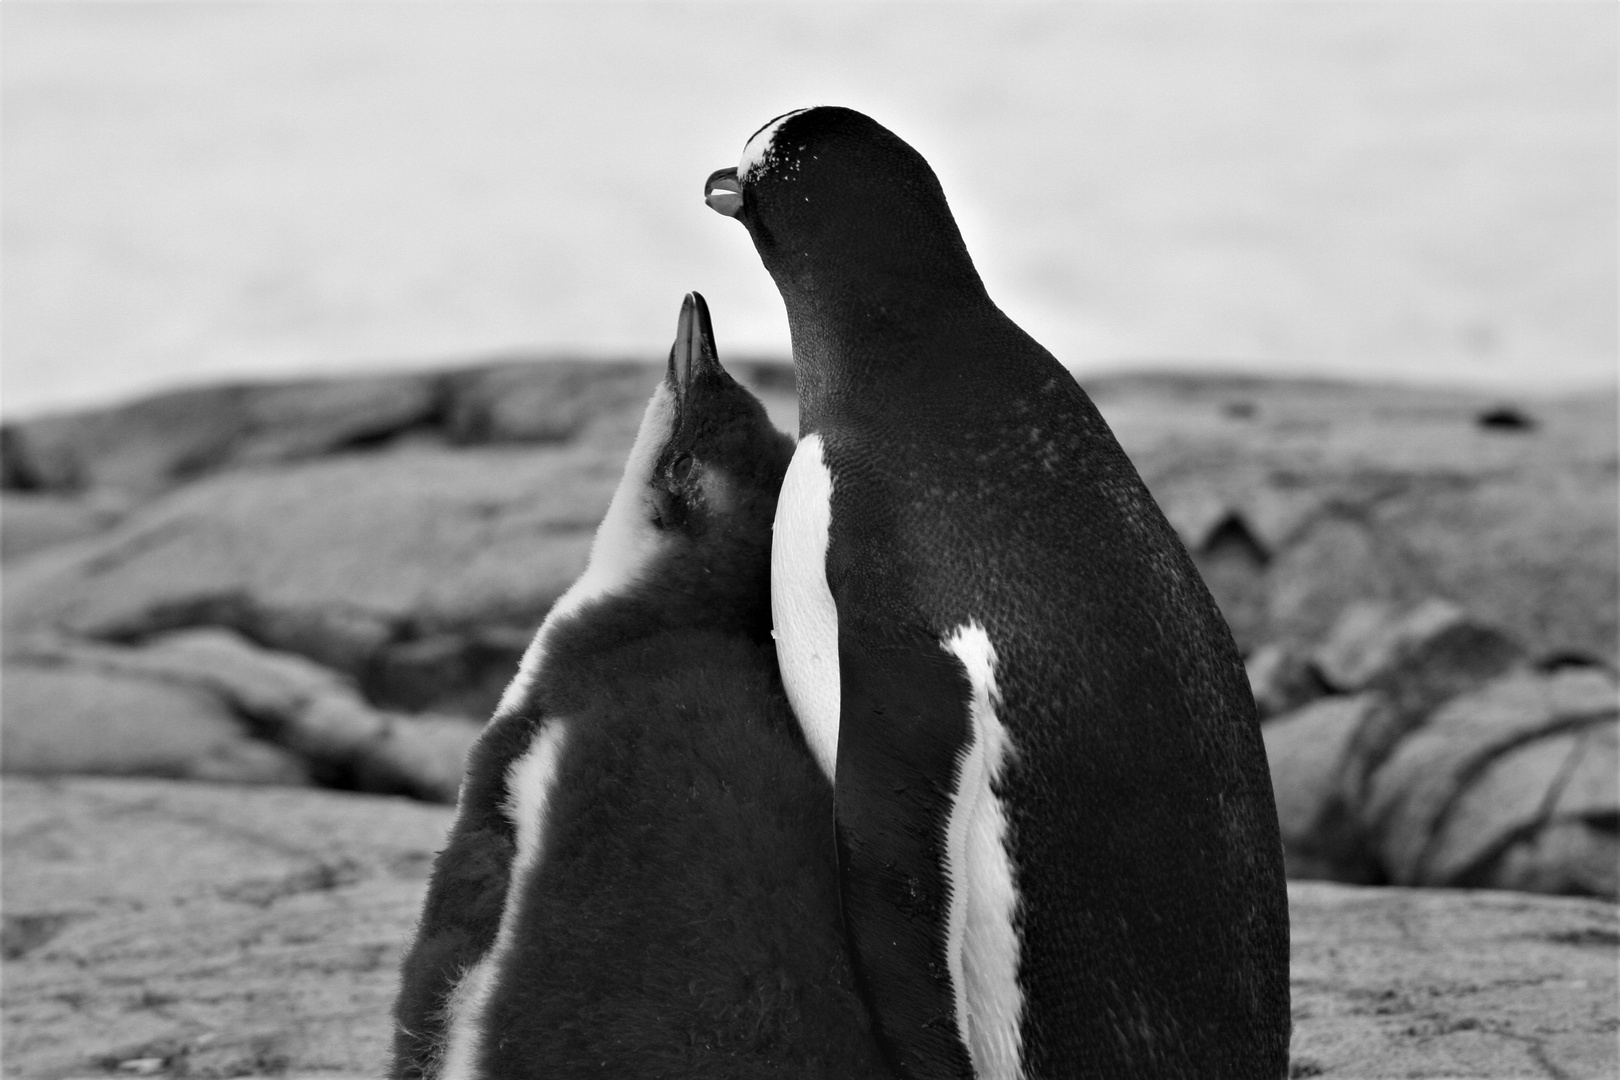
<point>983,947</point>
<point>802,609</point>
<point>626,543</point>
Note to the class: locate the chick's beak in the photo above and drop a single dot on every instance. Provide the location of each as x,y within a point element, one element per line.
<point>693,351</point>
<point>723,192</point>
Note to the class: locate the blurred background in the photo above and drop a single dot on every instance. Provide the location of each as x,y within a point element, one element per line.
<point>194,192</point>
<point>327,326</point>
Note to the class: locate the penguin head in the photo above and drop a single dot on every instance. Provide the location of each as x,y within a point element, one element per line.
<point>833,198</point>
<point>722,455</point>
<point>709,464</point>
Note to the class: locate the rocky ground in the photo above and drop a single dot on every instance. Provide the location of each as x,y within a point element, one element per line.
<point>328,582</point>
<point>325,585</point>
<point>196,929</point>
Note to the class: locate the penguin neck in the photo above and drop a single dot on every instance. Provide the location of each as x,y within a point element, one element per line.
<point>869,342</point>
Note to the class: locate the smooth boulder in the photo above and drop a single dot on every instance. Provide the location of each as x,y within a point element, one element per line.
<point>206,704</point>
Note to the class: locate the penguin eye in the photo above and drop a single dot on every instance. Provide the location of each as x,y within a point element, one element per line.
<point>681,469</point>
<point>666,510</point>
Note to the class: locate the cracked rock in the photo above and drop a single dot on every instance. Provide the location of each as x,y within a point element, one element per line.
<point>1314,756</point>
<point>1462,799</point>
<point>1281,679</point>
<point>1233,564</point>
<point>1419,655</point>
<point>1414,658</point>
<point>1574,845</point>
<point>1506,800</point>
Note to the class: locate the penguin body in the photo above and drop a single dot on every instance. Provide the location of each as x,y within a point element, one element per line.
<point>640,880</point>
<point>1058,846</point>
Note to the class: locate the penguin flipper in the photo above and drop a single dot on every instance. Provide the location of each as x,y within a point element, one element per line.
<point>460,918</point>
<point>904,722</point>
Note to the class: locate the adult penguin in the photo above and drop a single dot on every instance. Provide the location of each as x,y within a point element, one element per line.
<point>1058,845</point>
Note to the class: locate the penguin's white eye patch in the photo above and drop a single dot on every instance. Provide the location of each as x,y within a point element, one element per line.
<point>760,149</point>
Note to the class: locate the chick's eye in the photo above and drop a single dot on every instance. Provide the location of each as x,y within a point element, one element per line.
<point>665,510</point>
<point>682,468</point>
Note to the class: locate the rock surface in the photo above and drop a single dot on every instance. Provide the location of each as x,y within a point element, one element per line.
<point>225,931</point>
<point>157,442</point>
<point>1315,754</point>
<point>340,559</point>
<point>1418,656</point>
<point>1419,983</point>
<point>1489,770</point>
<point>63,719</point>
<point>1515,784</point>
<point>205,704</point>
<point>1347,493</point>
<point>211,931</point>
<point>35,520</point>
<point>396,540</point>
<point>1282,679</point>
<point>347,529</point>
<point>412,548</point>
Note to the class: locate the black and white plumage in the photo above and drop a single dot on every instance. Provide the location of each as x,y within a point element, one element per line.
<point>1058,847</point>
<point>640,878</point>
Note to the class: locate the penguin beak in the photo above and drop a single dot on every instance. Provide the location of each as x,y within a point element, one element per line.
<point>723,192</point>
<point>694,350</point>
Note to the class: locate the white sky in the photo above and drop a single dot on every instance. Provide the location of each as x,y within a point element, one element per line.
<point>204,191</point>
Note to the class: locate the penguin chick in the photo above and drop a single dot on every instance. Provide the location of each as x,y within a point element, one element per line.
<point>640,880</point>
